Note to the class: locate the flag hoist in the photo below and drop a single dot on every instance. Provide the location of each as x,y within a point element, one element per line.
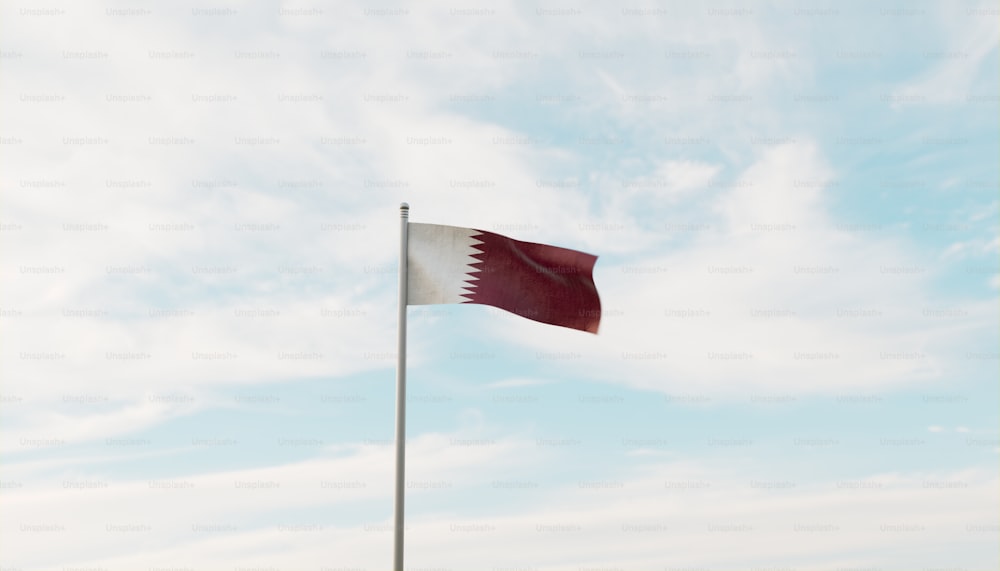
<point>448,264</point>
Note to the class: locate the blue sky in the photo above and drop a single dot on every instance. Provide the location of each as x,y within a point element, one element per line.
<point>795,208</point>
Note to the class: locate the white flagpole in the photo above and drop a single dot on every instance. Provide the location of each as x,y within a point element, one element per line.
<point>397,552</point>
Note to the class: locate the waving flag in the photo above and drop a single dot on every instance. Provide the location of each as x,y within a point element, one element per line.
<point>448,264</point>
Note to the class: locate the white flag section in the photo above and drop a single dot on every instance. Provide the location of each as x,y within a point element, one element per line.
<point>440,263</point>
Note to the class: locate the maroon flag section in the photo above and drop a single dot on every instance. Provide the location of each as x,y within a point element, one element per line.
<point>545,283</point>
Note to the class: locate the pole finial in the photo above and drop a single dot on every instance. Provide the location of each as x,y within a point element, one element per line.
<point>404,206</point>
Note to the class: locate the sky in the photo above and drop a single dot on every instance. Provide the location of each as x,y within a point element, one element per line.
<point>795,209</point>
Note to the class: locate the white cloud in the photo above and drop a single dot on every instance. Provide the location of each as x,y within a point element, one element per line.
<point>688,175</point>
<point>517,383</point>
<point>971,40</point>
<point>249,503</point>
<point>760,517</point>
<point>773,294</point>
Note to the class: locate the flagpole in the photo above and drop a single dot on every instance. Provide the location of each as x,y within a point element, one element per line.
<point>397,552</point>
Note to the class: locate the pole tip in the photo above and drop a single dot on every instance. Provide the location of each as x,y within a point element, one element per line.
<point>404,206</point>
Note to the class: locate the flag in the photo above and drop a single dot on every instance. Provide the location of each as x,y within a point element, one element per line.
<point>448,264</point>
